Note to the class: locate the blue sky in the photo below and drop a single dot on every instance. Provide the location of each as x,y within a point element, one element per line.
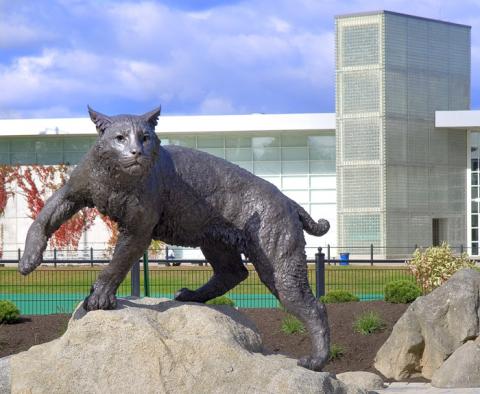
<point>191,56</point>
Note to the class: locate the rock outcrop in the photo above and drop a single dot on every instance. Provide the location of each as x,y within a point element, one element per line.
<point>432,328</point>
<point>461,369</point>
<point>364,380</point>
<point>162,347</point>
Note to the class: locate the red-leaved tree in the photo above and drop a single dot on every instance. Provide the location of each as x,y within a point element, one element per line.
<point>6,176</point>
<point>113,231</point>
<point>37,183</point>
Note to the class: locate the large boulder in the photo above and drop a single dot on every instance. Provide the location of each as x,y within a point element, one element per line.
<point>461,369</point>
<point>432,328</point>
<point>150,346</point>
<point>364,380</point>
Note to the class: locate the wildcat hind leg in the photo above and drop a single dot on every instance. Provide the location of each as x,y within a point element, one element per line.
<point>285,274</point>
<point>228,271</point>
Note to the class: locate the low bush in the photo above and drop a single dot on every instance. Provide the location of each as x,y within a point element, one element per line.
<point>9,313</point>
<point>336,296</point>
<point>336,351</point>
<point>291,325</point>
<point>435,265</point>
<point>222,300</point>
<point>369,323</point>
<point>401,292</point>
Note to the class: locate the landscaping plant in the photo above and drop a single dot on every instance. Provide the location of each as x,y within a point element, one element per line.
<point>336,296</point>
<point>401,291</point>
<point>9,313</point>
<point>336,351</point>
<point>369,323</point>
<point>222,300</point>
<point>291,325</point>
<point>435,265</point>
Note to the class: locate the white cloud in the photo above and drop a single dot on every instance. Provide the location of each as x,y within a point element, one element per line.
<point>212,105</point>
<point>247,56</point>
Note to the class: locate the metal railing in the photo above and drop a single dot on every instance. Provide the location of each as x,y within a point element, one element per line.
<point>59,285</point>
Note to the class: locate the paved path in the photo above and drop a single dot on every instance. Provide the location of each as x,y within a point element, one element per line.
<point>422,388</point>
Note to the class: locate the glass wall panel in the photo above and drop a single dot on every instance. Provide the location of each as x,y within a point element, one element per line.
<point>216,141</point>
<point>322,167</point>
<point>266,154</point>
<point>267,167</point>
<point>294,140</point>
<point>295,167</point>
<point>322,147</point>
<point>265,142</point>
<point>238,154</point>
<point>295,153</point>
<point>189,142</point>
<point>238,141</point>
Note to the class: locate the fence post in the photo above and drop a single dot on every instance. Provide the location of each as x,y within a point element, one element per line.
<point>91,257</point>
<point>461,249</point>
<point>135,282</point>
<point>19,254</point>
<point>55,257</point>
<point>371,254</point>
<point>146,284</point>
<point>328,254</point>
<point>319,273</point>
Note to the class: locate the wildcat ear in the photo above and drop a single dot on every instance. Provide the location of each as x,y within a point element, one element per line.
<point>101,121</point>
<point>152,116</point>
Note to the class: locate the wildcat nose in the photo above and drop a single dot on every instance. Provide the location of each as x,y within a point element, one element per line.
<point>135,152</point>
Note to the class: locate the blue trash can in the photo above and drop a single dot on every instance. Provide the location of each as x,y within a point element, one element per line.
<point>344,258</point>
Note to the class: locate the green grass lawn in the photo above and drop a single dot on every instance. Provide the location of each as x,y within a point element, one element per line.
<point>357,280</point>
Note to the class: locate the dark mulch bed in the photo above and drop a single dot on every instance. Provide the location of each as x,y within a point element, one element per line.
<point>359,354</point>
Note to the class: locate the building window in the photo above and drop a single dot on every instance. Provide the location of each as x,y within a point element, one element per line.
<point>475,198</point>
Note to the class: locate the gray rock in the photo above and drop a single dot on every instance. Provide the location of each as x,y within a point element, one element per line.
<point>432,328</point>
<point>364,380</point>
<point>5,375</point>
<point>163,347</point>
<point>461,369</point>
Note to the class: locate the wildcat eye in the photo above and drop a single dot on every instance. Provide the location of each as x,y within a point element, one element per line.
<point>120,138</point>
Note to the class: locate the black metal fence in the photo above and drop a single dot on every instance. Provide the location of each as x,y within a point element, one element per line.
<point>59,285</point>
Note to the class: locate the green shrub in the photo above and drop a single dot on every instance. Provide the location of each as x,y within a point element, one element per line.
<point>291,325</point>
<point>369,323</point>
<point>435,265</point>
<point>401,291</point>
<point>222,300</point>
<point>336,296</point>
<point>9,313</point>
<point>336,351</point>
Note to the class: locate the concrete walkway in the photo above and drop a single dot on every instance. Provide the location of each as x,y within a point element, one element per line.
<point>423,388</point>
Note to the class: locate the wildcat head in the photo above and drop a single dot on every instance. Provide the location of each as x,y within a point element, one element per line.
<point>127,142</point>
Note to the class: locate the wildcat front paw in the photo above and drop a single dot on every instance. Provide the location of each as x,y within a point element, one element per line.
<point>100,301</point>
<point>185,295</point>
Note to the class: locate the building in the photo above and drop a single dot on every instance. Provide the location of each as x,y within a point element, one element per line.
<point>393,72</point>
<point>396,165</point>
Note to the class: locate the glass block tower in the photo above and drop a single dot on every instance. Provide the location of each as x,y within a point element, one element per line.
<point>400,182</point>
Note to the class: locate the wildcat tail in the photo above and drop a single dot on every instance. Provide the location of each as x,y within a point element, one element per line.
<point>310,225</point>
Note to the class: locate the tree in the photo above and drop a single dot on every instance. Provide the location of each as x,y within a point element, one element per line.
<point>37,184</point>
<point>6,176</point>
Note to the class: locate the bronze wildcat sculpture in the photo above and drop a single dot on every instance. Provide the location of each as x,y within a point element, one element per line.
<point>190,198</point>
